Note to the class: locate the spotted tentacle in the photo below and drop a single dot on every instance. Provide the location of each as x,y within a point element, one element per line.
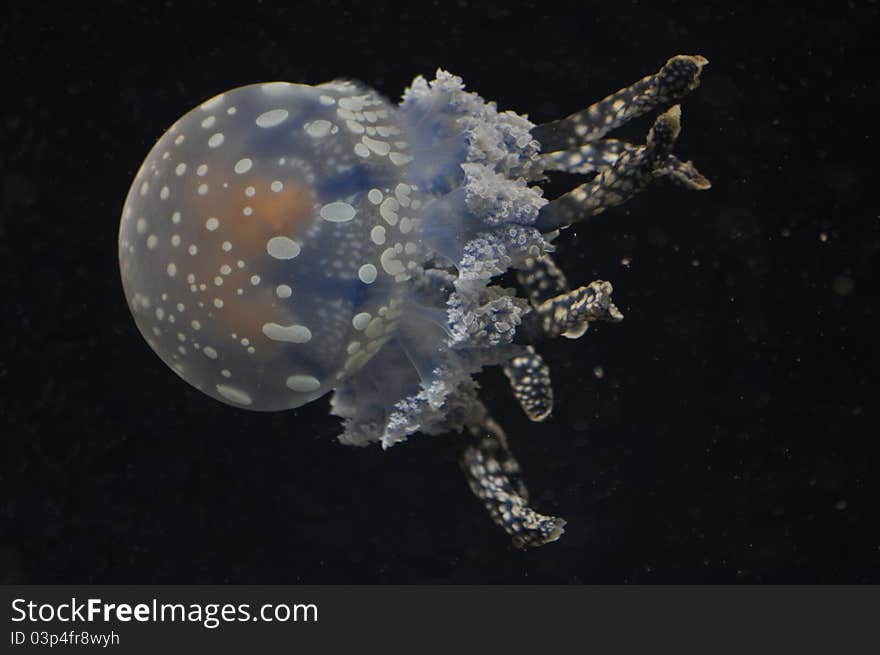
<point>679,76</point>
<point>493,474</point>
<point>595,157</point>
<point>569,314</point>
<point>682,173</point>
<point>588,158</point>
<point>541,279</point>
<point>556,311</point>
<point>631,172</point>
<point>529,378</point>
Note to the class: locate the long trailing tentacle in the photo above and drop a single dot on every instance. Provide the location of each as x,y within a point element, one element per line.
<point>630,173</point>
<point>576,144</point>
<point>493,474</point>
<point>594,157</point>
<point>588,158</point>
<point>679,76</point>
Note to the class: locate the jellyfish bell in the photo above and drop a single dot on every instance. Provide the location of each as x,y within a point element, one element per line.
<point>255,248</point>
<point>282,240</point>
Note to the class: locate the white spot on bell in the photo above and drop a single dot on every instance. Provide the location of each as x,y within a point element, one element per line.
<point>399,159</point>
<point>367,273</point>
<point>377,235</point>
<point>379,147</point>
<point>303,383</point>
<point>318,128</point>
<point>390,263</point>
<point>374,328</point>
<point>234,395</point>
<point>337,212</point>
<point>388,210</point>
<point>289,333</point>
<point>282,248</point>
<point>272,118</point>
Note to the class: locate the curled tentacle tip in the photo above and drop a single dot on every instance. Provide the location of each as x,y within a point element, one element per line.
<point>698,60</point>
<point>684,174</point>
<point>686,69</point>
<point>664,133</point>
<point>699,182</point>
<point>537,418</point>
<point>672,117</point>
<point>550,529</point>
<point>614,314</point>
<point>673,113</point>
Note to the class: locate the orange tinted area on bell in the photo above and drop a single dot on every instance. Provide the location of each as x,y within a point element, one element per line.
<point>247,216</point>
<point>285,211</point>
<point>255,211</point>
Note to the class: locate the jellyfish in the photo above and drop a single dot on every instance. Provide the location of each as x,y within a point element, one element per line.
<point>281,241</point>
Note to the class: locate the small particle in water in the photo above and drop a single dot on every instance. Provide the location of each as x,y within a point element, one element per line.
<point>843,285</point>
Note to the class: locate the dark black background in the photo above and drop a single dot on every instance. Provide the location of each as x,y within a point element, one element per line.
<point>732,437</point>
